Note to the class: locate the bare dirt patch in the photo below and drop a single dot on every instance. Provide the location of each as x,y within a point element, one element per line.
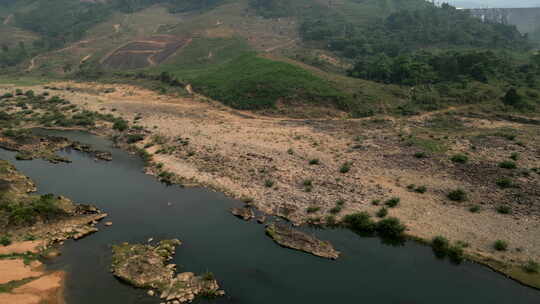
<point>146,52</point>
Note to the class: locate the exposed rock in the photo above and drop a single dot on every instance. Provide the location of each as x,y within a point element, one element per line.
<point>145,266</point>
<point>245,213</point>
<point>261,219</point>
<point>291,238</point>
<point>108,224</point>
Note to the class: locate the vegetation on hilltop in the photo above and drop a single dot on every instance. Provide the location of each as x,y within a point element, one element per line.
<point>252,83</point>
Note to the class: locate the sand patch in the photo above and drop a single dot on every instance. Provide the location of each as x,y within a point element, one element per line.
<point>21,247</point>
<point>15,270</point>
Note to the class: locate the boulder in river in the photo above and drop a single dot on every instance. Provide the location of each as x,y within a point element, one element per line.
<point>291,238</point>
<point>244,213</point>
<point>145,266</point>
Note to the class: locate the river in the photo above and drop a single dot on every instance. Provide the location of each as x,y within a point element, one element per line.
<point>249,266</point>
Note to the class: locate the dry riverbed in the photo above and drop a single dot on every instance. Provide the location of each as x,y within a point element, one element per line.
<point>318,171</point>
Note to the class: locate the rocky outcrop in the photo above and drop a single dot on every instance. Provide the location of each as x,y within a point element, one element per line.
<point>145,266</point>
<point>291,238</point>
<point>244,213</point>
<point>101,155</point>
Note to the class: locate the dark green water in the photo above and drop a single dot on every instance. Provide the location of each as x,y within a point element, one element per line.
<point>249,266</point>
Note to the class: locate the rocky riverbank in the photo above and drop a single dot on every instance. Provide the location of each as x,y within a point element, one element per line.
<point>320,171</point>
<point>33,227</point>
<point>146,266</point>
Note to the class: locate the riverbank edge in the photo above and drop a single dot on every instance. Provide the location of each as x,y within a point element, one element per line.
<point>514,272</point>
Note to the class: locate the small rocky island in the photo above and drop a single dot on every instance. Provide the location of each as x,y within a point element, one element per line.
<point>291,238</point>
<point>145,266</point>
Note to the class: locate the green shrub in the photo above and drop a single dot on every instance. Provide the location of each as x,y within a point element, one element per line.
<point>420,154</point>
<point>330,221</point>
<point>313,209</point>
<point>133,138</point>
<point>314,161</point>
<point>346,167</point>
<point>457,195</point>
<point>460,158</point>
<point>268,183</point>
<point>514,156</point>
<point>456,253</point>
<point>390,228</point>
<point>504,183</point>
<point>531,267</point>
<point>421,189</point>
<point>500,245</point>
<point>208,276</point>
<point>360,222</point>
<point>508,165</point>
<point>376,202</point>
<point>340,202</point>
<point>120,125</point>
<point>383,212</point>
<point>393,202</point>
<point>5,240</point>
<point>335,210</point>
<point>474,209</point>
<point>440,246</point>
<point>504,209</point>
<point>308,182</point>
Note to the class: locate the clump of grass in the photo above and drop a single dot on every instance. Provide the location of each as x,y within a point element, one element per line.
<point>514,156</point>
<point>420,154</point>
<point>335,210</point>
<point>290,151</point>
<point>5,240</point>
<point>504,209</point>
<point>505,183</point>
<point>458,195</point>
<point>383,212</point>
<point>531,267</point>
<point>474,209</point>
<point>268,183</point>
<point>500,245</point>
<point>393,202</point>
<point>330,221</point>
<point>314,161</point>
<point>346,167</point>
<point>460,158</point>
<point>313,209</point>
<point>340,202</point>
<point>208,276</point>
<point>420,189</point>
<point>308,185</point>
<point>376,202</point>
<point>507,165</point>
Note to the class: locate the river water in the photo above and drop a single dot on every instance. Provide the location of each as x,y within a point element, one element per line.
<point>248,265</point>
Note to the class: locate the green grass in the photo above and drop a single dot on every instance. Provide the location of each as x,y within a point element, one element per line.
<point>253,83</point>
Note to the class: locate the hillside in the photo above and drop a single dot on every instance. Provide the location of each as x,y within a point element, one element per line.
<point>380,42</point>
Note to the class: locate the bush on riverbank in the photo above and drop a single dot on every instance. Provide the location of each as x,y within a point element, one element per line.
<point>442,248</point>
<point>22,213</point>
<point>389,228</point>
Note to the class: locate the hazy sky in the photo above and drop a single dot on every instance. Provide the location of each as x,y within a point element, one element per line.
<point>495,3</point>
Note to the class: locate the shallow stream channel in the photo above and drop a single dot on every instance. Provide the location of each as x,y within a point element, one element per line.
<point>249,266</point>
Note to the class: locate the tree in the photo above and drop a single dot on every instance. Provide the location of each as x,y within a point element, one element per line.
<point>512,98</point>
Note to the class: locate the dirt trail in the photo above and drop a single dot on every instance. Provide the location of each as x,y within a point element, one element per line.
<point>238,152</point>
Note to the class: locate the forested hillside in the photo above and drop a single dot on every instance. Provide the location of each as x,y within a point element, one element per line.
<point>443,52</point>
